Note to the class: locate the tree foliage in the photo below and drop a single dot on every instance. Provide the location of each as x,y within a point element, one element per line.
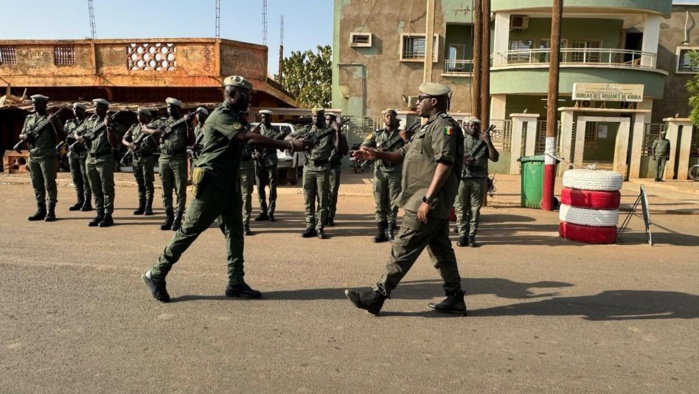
<point>308,76</point>
<point>693,88</point>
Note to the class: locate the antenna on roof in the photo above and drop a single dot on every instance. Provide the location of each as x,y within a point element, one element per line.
<point>218,19</point>
<point>264,22</point>
<point>93,25</point>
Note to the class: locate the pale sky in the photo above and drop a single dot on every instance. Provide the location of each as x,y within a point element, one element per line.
<point>307,23</point>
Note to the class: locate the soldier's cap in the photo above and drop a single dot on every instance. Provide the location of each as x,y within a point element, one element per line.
<point>390,110</point>
<point>238,82</point>
<point>144,111</point>
<point>472,119</point>
<point>663,132</point>
<point>331,114</point>
<point>79,106</point>
<point>265,112</point>
<point>318,110</point>
<point>434,89</point>
<point>39,97</point>
<point>173,101</point>
<point>203,110</point>
<point>101,101</point>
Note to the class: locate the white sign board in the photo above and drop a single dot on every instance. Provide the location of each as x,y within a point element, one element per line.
<point>608,92</point>
<point>602,131</point>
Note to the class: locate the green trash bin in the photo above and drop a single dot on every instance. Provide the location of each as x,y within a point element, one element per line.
<point>532,181</point>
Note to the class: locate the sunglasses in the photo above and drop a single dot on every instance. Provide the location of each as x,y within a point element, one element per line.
<point>424,96</point>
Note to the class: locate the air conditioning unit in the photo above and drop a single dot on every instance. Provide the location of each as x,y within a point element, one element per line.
<point>412,102</point>
<point>519,22</point>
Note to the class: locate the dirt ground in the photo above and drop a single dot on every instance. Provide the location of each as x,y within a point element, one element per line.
<point>546,314</point>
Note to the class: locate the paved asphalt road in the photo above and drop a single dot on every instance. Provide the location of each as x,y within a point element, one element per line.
<point>546,314</point>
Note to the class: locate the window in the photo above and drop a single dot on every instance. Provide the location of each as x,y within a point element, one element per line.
<point>360,40</point>
<point>589,54</point>
<point>544,45</point>
<point>522,50</point>
<point>413,47</point>
<point>64,56</point>
<point>456,59</point>
<point>684,60</point>
<point>8,55</point>
<point>145,56</point>
<point>591,131</point>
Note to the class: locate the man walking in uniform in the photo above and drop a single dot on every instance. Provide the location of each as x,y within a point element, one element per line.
<point>661,154</point>
<point>77,157</point>
<point>143,161</point>
<point>431,169</point>
<point>387,175</point>
<point>335,167</point>
<point>266,168</point>
<point>42,132</point>
<point>478,149</point>
<point>216,193</point>
<point>247,178</point>
<point>316,172</point>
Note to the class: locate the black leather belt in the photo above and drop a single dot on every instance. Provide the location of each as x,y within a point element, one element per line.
<point>320,162</point>
<point>100,153</point>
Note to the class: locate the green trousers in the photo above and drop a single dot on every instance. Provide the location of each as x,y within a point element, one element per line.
<point>173,175</point>
<point>267,176</point>
<point>78,173</point>
<point>468,205</point>
<point>43,175</point>
<point>100,170</point>
<point>660,167</point>
<point>413,237</point>
<point>387,187</point>
<point>333,190</point>
<point>315,186</point>
<point>247,182</point>
<point>145,177</point>
<point>212,200</point>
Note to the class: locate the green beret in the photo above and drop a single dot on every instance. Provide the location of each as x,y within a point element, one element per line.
<point>331,115</point>
<point>79,106</point>
<point>238,82</point>
<point>100,101</point>
<point>472,119</point>
<point>144,111</point>
<point>173,101</point>
<point>318,110</point>
<point>39,97</point>
<point>434,89</point>
<point>265,112</point>
<point>387,110</point>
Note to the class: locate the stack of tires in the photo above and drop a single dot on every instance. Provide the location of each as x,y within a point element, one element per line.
<point>590,206</point>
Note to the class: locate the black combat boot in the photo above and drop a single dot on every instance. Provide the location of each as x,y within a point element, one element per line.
<point>156,286</point>
<point>177,222</point>
<point>87,205</point>
<point>169,218</point>
<point>106,221</point>
<point>454,304</point>
<point>372,301</point>
<point>272,206</point>
<point>97,220</point>
<point>389,231</point>
<point>262,216</point>
<point>149,207</point>
<point>40,213</point>
<point>309,232</point>
<point>79,204</point>
<point>51,213</point>
<point>242,290</point>
<point>246,229</point>
<point>141,208</point>
<point>381,232</point>
<point>330,222</point>
<point>463,241</point>
<point>472,241</point>
<point>321,233</point>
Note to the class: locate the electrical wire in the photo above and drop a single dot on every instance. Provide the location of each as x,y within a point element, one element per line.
<point>367,18</point>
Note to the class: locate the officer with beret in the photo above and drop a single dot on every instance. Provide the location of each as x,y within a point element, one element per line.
<point>387,175</point>
<point>335,167</point>
<point>174,135</point>
<point>432,163</point>
<point>103,137</point>
<point>661,154</point>
<point>266,167</point>
<point>42,132</point>
<point>216,190</point>
<point>478,149</point>
<point>77,159</point>
<point>316,171</point>
<point>143,160</point>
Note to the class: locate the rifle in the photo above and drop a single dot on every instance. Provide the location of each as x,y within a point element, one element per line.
<point>193,151</point>
<point>91,134</point>
<point>168,129</point>
<point>33,134</point>
<point>131,152</point>
<point>471,154</point>
<point>72,135</point>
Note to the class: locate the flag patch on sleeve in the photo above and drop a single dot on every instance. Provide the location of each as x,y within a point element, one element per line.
<point>448,130</point>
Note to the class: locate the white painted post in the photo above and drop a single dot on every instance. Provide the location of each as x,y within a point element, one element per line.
<point>684,145</point>
<point>622,147</point>
<point>651,36</point>
<point>519,121</point>
<point>639,131</point>
<point>566,138</point>
<point>580,140</point>
<point>501,39</point>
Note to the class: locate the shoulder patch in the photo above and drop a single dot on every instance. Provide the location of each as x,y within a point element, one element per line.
<point>237,126</point>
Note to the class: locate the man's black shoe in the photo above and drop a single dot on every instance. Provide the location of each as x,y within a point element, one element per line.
<point>107,220</point>
<point>454,304</point>
<point>262,216</point>
<point>371,301</point>
<point>472,241</point>
<point>156,287</point>
<point>242,290</point>
<point>462,241</point>
<point>321,234</point>
<point>97,220</point>
<point>246,230</point>
<point>330,222</point>
<point>271,217</point>
<point>309,233</point>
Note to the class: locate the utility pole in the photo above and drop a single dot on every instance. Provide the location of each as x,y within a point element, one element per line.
<point>429,42</point>
<point>264,22</point>
<point>93,25</point>
<point>476,61</point>
<point>485,64</point>
<point>552,107</point>
<point>281,53</point>
<point>218,20</point>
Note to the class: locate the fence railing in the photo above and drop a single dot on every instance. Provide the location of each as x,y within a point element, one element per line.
<point>577,56</point>
<point>453,66</point>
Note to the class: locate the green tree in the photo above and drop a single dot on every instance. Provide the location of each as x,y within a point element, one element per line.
<point>693,88</point>
<point>308,76</point>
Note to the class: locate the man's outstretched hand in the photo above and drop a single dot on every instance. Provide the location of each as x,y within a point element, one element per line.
<point>301,144</point>
<point>365,153</point>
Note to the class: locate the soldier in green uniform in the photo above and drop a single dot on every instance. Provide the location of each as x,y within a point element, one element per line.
<point>195,150</point>
<point>431,170</point>
<point>174,137</point>
<point>143,161</point>
<point>42,132</point>
<point>266,168</point>
<point>661,153</point>
<point>216,191</point>
<point>247,179</point>
<point>478,148</point>
<point>101,136</point>
<point>335,167</point>
<point>316,172</point>
<point>77,157</point>
<point>387,175</point>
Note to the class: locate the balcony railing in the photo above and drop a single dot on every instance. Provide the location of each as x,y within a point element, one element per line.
<point>577,56</point>
<point>453,66</point>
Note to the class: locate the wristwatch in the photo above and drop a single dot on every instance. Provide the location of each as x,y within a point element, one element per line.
<point>427,200</point>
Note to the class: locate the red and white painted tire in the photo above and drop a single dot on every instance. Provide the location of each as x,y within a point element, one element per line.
<point>593,180</point>
<point>589,217</point>
<point>587,234</point>
<point>594,199</point>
